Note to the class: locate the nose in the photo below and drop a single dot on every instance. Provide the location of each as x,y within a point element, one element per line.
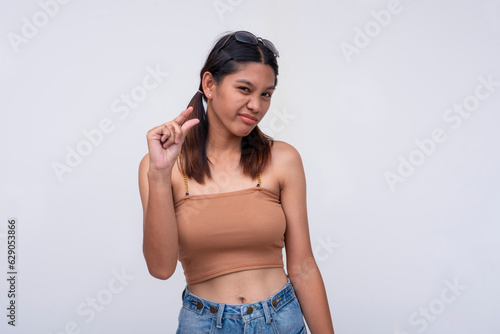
<point>254,103</point>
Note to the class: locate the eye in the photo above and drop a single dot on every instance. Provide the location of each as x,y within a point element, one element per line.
<point>244,89</point>
<point>267,95</point>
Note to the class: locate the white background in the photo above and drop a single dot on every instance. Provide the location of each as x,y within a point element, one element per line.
<point>388,255</point>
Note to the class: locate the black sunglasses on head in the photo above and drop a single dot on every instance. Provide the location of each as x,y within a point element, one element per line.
<point>249,38</point>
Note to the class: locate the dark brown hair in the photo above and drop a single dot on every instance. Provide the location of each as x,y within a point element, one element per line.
<point>256,146</point>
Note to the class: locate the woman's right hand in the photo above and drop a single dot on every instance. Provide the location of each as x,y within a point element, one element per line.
<point>165,141</point>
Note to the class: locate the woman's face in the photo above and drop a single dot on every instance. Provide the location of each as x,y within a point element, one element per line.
<point>241,99</point>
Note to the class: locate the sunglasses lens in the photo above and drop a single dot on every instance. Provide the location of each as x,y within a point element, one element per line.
<point>271,47</point>
<point>246,37</point>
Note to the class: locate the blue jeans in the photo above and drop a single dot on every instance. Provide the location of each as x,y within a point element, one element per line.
<point>279,314</point>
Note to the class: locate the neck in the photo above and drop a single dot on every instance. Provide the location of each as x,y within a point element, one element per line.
<point>223,146</point>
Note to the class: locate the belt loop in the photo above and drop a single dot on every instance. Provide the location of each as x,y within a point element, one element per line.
<point>219,315</point>
<point>267,315</point>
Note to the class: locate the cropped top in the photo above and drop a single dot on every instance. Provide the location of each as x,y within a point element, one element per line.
<point>229,232</point>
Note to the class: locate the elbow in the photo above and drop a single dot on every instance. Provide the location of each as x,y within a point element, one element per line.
<point>160,273</point>
<point>160,266</point>
<point>161,269</point>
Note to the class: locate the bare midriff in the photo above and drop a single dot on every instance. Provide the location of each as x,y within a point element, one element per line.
<point>248,286</point>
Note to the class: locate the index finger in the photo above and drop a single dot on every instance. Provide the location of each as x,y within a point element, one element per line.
<point>183,115</point>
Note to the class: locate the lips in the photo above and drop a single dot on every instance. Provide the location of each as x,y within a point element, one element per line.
<point>249,119</point>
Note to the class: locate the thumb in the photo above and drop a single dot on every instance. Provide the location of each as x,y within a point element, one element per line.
<point>187,126</point>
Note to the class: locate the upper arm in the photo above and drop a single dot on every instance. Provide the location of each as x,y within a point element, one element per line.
<point>299,254</point>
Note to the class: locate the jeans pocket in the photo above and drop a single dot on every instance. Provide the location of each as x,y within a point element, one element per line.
<point>289,319</point>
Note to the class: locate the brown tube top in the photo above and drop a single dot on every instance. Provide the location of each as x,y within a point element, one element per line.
<point>229,232</point>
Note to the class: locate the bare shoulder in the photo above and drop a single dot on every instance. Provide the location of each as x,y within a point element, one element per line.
<point>144,164</point>
<point>287,160</point>
<point>143,182</point>
<point>285,154</point>
<point>143,172</point>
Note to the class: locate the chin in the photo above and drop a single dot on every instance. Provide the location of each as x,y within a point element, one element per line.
<point>247,132</point>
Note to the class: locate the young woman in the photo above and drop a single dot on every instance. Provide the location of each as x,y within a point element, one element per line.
<point>234,199</point>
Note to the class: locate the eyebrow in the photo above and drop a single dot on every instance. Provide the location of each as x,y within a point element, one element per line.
<point>252,85</point>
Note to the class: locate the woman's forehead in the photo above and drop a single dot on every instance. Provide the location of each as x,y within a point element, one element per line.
<point>254,74</point>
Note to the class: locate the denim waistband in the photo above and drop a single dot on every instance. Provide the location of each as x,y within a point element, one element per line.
<point>246,312</point>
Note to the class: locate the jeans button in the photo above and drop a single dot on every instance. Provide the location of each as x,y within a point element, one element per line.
<point>213,309</point>
<point>199,305</point>
<point>250,310</point>
<point>275,303</point>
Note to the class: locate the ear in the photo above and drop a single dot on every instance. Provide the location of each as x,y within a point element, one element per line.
<point>208,84</point>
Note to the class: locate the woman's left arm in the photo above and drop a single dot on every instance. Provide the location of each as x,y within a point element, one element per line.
<point>302,268</point>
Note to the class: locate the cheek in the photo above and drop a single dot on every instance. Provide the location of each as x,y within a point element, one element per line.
<point>226,100</point>
<point>265,106</point>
